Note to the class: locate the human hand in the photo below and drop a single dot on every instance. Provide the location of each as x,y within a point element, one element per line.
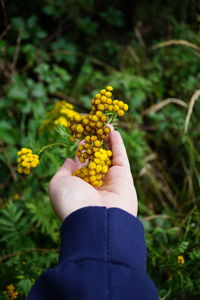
<point>69,193</point>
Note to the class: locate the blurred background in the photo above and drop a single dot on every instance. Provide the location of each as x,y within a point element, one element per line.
<point>149,51</point>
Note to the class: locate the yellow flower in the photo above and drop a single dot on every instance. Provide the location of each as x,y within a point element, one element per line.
<point>109,88</point>
<point>10,292</point>
<point>180,260</point>
<point>26,161</point>
<point>16,196</point>
<point>92,128</point>
<point>170,277</point>
<point>62,121</point>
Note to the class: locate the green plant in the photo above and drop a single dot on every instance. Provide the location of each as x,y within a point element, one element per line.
<point>55,51</point>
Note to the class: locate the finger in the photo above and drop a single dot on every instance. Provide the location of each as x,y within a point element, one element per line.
<point>78,163</point>
<point>67,168</point>
<point>108,136</point>
<point>120,157</point>
<point>110,126</point>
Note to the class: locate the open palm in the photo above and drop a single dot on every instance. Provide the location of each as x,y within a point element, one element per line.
<point>69,193</point>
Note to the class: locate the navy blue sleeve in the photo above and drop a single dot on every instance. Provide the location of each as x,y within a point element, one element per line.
<point>102,256</point>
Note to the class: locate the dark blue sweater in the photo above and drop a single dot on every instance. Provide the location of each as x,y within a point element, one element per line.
<point>102,257</point>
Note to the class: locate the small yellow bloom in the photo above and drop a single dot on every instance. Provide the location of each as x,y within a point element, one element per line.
<point>180,260</point>
<point>16,196</point>
<point>20,170</point>
<point>10,292</point>
<point>170,277</point>
<point>26,161</point>
<point>94,130</point>
<point>109,88</point>
<point>102,91</point>
<point>108,94</point>
<point>109,153</point>
<point>62,121</point>
<point>92,165</point>
<point>125,107</point>
<point>120,113</point>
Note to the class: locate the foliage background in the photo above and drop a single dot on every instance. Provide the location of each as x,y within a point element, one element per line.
<point>150,53</point>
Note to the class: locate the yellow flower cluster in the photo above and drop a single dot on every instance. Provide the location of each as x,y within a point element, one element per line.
<point>61,113</point>
<point>99,162</point>
<point>180,260</point>
<point>26,160</point>
<point>10,292</point>
<point>95,123</point>
<point>93,130</point>
<point>62,121</point>
<point>103,102</point>
<point>84,125</point>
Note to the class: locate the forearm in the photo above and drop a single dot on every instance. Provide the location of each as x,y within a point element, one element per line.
<point>102,256</point>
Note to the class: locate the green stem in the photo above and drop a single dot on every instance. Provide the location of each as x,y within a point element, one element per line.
<point>112,118</point>
<point>51,145</point>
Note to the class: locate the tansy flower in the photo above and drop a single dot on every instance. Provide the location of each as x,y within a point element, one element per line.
<point>180,260</point>
<point>93,130</point>
<point>61,113</point>
<point>62,121</point>
<point>16,196</point>
<point>26,160</point>
<point>10,292</point>
<point>99,161</point>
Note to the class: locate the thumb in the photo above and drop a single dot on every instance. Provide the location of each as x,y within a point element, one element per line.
<point>120,157</point>
<point>67,168</point>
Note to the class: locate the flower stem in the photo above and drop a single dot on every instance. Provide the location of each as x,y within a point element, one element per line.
<point>113,117</point>
<point>49,146</point>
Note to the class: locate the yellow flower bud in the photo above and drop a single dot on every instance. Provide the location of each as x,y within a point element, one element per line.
<point>91,165</point>
<point>94,138</point>
<point>27,171</point>
<point>99,124</point>
<point>97,143</point>
<point>109,101</point>
<point>98,96</point>
<point>109,153</point>
<point>77,118</point>
<point>97,101</point>
<point>95,118</point>
<point>115,107</point>
<point>121,104</point>
<point>99,113</point>
<point>115,102</point>
<point>125,107</point>
<point>20,170</point>
<point>109,88</point>
<point>120,113</point>
<point>101,107</point>
<point>104,118</point>
<point>98,168</point>
<point>92,172</point>
<point>107,130</point>
<point>81,159</point>
<point>79,128</point>
<point>102,91</point>
<point>104,169</point>
<point>108,94</point>
<point>92,178</point>
<point>24,164</point>
<point>103,99</point>
<point>87,138</point>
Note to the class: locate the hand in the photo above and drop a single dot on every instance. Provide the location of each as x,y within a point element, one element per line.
<point>69,193</point>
